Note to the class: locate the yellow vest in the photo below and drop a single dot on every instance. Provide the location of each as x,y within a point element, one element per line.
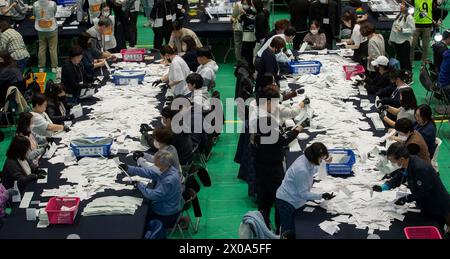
<point>425,7</point>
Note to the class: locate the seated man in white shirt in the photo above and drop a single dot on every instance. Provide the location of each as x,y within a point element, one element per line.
<point>283,56</point>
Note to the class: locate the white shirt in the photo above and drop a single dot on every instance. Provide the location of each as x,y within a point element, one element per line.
<point>408,28</point>
<point>356,37</point>
<point>40,123</point>
<point>178,71</point>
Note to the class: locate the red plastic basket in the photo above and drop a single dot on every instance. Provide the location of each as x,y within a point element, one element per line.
<point>58,216</point>
<point>423,232</point>
<point>351,70</point>
<point>132,55</point>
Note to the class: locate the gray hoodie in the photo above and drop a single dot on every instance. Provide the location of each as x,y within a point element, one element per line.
<point>208,72</point>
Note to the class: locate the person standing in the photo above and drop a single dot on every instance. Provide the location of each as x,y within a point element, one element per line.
<point>375,44</point>
<point>299,10</point>
<point>261,25</point>
<point>237,30</point>
<point>401,37</point>
<point>12,42</point>
<point>325,12</point>
<point>148,6</point>
<point>47,28</point>
<point>248,31</point>
<point>423,12</point>
<point>161,20</point>
<point>131,10</point>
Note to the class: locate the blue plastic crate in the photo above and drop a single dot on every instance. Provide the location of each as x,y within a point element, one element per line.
<point>342,168</point>
<point>305,67</point>
<point>92,150</point>
<point>66,2</point>
<point>125,80</point>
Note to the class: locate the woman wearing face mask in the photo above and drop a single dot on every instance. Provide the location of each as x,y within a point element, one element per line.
<point>401,36</point>
<point>316,40</point>
<point>42,124</point>
<point>268,63</point>
<point>38,143</point>
<point>426,127</point>
<point>247,19</point>
<point>295,190</point>
<point>408,105</point>
<point>412,139</point>
<point>189,47</point>
<point>57,108</point>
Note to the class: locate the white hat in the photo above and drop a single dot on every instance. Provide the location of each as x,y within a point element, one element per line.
<point>380,61</point>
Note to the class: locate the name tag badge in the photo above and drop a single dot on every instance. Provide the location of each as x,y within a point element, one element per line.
<point>326,21</point>
<point>107,38</point>
<point>168,17</point>
<point>180,6</point>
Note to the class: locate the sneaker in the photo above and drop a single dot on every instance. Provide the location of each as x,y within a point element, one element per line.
<point>41,70</point>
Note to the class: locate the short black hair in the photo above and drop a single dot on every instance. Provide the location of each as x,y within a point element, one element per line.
<point>204,52</point>
<point>315,22</point>
<point>190,43</point>
<point>398,150</point>
<point>314,152</point>
<point>282,24</point>
<point>290,31</point>
<point>104,21</point>
<point>38,99</point>
<point>83,40</point>
<point>367,28</point>
<point>267,94</point>
<point>163,135</point>
<point>408,100</point>
<point>446,34</point>
<point>23,124</point>
<point>195,79</point>
<point>177,25</point>
<point>278,43</point>
<point>404,125</point>
<point>52,91</point>
<point>426,113</point>
<point>167,49</point>
<point>75,51</point>
<point>18,148</point>
<point>267,79</point>
<point>398,74</point>
<point>168,112</point>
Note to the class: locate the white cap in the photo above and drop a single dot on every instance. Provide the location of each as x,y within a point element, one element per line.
<point>380,61</point>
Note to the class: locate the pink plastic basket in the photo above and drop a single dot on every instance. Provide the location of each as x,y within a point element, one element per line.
<point>423,232</point>
<point>132,55</point>
<point>58,216</point>
<point>351,70</point>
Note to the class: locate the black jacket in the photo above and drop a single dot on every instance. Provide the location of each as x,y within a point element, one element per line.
<point>191,60</point>
<point>72,77</point>
<point>163,8</point>
<point>319,11</point>
<point>268,64</point>
<point>55,114</point>
<point>299,10</point>
<point>12,171</point>
<point>377,83</point>
<point>426,187</point>
<point>438,49</point>
<point>184,5</point>
<point>389,96</point>
<point>261,26</point>
<point>183,143</point>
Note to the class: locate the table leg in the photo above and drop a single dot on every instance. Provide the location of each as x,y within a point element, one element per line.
<point>228,52</point>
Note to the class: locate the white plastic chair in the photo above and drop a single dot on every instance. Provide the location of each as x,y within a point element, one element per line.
<point>434,162</point>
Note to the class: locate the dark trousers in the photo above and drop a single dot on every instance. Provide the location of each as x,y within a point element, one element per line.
<point>402,53</point>
<point>22,64</point>
<point>247,51</point>
<point>286,213</point>
<point>119,30</point>
<point>168,221</point>
<point>162,34</point>
<point>298,39</point>
<point>268,179</point>
<point>131,28</point>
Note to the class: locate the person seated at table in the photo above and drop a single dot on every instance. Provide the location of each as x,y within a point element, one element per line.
<point>91,59</point>
<point>12,42</point>
<point>426,187</point>
<point>316,39</point>
<point>10,75</point>
<point>16,167</point>
<point>295,189</point>
<point>162,137</point>
<point>390,95</point>
<point>199,94</point>
<point>381,78</point>
<point>348,22</point>
<point>110,39</point>
<point>38,143</point>
<point>178,32</point>
<point>268,63</point>
<point>189,49</point>
<point>375,43</point>
<point>208,67</point>
<point>73,75</point>
<point>57,107</point>
<point>178,71</point>
<point>98,39</point>
<point>285,55</point>
<point>42,124</point>
<point>412,139</point>
<point>279,27</point>
<point>164,192</point>
<point>426,127</point>
<point>15,9</point>
<point>408,105</point>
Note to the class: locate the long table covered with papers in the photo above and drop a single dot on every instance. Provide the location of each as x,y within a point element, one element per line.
<point>342,119</point>
<point>109,207</point>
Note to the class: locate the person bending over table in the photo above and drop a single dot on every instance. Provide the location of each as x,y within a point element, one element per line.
<point>412,139</point>
<point>12,42</point>
<point>426,127</point>
<point>208,67</point>
<point>98,39</point>
<point>422,180</point>
<point>57,108</point>
<point>316,39</point>
<point>38,143</point>
<point>286,55</point>
<point>165,196</point>
<point>178,71</point>
<point>177,35</point>
<point>16,9</point>
<point>408,105</point>
<point>42,124</point>
<point>279,27</point>
<point>92,60</point>
<point>381,79</point>
<point>16,167</point>
<point>390,95</point>
<point>268,62</point>
<point>295,190</point>
<point>73,74</point>
<point>189,48</point>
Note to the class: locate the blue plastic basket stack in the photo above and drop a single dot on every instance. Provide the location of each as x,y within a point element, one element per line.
<point>343,167</point>
<point>305,67</point>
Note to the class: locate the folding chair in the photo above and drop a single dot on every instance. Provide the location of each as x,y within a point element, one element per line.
<point>190,195</point>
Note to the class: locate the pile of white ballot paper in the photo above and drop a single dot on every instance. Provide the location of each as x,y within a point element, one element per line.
<point>112,205</point>
<point>340,124</point>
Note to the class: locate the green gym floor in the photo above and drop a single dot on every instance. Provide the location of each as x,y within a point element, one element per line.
<point>226,201</point>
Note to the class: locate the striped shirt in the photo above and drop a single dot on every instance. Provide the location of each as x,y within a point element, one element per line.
<point>12,42</point>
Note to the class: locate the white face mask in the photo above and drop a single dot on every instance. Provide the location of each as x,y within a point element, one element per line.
<point>402,137</point>
<point>156,144</point>
<point>314,32</point>
<point>106,13</point>
<point>323,1</point>
<point>395,166</point>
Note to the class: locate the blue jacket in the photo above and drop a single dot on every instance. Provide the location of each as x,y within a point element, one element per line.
<point>428,132</point>
<point>166,196</point>
<point>444,74</point>
<point>296,186</point>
